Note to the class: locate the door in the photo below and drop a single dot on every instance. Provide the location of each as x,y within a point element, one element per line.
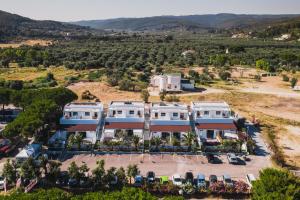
<point>210,134</point>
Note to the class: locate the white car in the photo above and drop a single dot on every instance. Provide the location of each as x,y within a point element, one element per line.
<point>1,183</point>
<point>250,178</point>
<point>177,180</point>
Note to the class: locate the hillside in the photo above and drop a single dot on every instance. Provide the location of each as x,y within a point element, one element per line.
<point>191,22</point>
<point>12,26</point>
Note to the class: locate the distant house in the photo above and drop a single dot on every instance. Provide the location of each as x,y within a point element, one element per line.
<point>81,118</point>
<point>296,88</point>
<point>283,37</point>
<point>171,83</point>
<point>213,120</point>
<point>124,119</point>
<point>169,120</point>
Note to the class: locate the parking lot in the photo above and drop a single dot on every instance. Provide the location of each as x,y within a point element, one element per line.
<point>169,165</point>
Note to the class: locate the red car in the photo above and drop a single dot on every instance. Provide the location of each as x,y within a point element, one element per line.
<point>6,146</point>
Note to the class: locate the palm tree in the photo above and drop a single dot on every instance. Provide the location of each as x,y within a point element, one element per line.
<point>99,173</point>
<point>43,163</point>
<point>189,139</point>
<point>157,141</point>
<point>132,171</point>
<point>136,141</point>
<point>54,169</point>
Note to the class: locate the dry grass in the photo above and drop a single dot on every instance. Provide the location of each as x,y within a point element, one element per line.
<point>27,42</point>
<point>31,73</point>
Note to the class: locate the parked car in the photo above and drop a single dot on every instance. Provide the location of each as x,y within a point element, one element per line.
<point>114,181</point>
<point>72,182</point>
<point>227,180</point>
<point>164,180</point>
<point>213,159</point>
<point>241,161</point>
<point>6,147</point>
<point>150,177</point>
<point>1,183</point>
<point>232,159</point>
<point>177,180</point>
<point>138,181</point>
<point>250,178</point>
<point>62,179</point>
<point>201,183</point>
<point>213,179</point>
<point>189,177</point>
<point>85,182</point>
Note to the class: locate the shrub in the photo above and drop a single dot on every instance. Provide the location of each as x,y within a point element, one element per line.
<point>172,98</point>
<point>285,78</point>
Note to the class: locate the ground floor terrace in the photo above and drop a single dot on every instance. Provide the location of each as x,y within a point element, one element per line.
<point>170,134</point>
<point>119,131</point>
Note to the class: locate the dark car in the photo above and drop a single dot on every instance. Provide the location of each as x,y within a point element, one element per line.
<point>85,182</point>
<point>213,179</point>
<point>241,161</point>
<point>213,159</point>
<point>138,181</point>
<point>72,182</point>
<point>6,147</point>
<point>62,179</point>
<point>189,177</point>
<point>150,177</point>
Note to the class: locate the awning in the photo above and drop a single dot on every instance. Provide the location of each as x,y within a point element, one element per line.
<point>80,127</point>
<point>216,126</point>
<point>124,125</point>
<point>231,135</point>
<point>170,128</point>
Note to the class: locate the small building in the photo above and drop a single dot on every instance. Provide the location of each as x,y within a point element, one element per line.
<point>169,82</point>
<point>81,118</point>
<point>169,120</point>
<point>213,120</point>
<point>124,119</point>
<point>32,150</point>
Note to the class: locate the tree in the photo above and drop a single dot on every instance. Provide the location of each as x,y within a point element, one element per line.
<point>162,95</point>
<point>4,99</point>
<point>75,139</point>
<point>294,82</point>
<point>99,173</point>
<point>29,169</point>
<point>136,141</point>
<point>53,170</point>
<point>189,139</point>
<point>121,174</point>
<point>10,171</point>
<point>110,175</point>
<point>224,75</point>
<point>43,163</point>
<point>156,141</point>
<point>276,184</point>
<point>145,95</point>
<point>132,171</point>
<point>264,65</point>
<point>73,170</point>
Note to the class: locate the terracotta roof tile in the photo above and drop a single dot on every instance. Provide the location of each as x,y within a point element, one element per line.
<point>80,127</point>
<point>170,128</point>
<point>124,125</point>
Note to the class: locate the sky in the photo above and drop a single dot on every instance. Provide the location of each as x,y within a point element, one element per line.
<point>74,10</point>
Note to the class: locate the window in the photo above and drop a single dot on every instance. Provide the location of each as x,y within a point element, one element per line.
<point>182,116</point>
<point>131,112</point>
<point>119,112</point>
<point>198,113</point>
<point>156,115</point>
<point>139,113</point>
<point>114,112</point>
<point>162,114</point>
<point>206,112</point>
<point>175,114</point>
<point>218,112</point>
<point>75,114</point>
<point>87,114</point>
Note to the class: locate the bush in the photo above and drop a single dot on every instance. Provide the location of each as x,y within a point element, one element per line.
<point>224,75</point>
<point>285,78</point>
<point>172,98</point>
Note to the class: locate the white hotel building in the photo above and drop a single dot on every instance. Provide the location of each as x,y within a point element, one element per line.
<point>126,117</point>
<point>213,120</point>
<point>168,120</point>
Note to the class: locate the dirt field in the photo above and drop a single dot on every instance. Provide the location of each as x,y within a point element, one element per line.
<point>27,42</point>
<point>168,165</point>
<point>290,140</point>
<point>104,92</point>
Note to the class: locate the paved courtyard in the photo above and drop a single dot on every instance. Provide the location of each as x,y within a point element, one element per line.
<point>169,165</point>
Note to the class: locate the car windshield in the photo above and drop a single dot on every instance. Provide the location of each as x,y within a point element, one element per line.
<point>150,174</point>
<point>201,180</point>
<point>177,180</point>
<point>227,180</point>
